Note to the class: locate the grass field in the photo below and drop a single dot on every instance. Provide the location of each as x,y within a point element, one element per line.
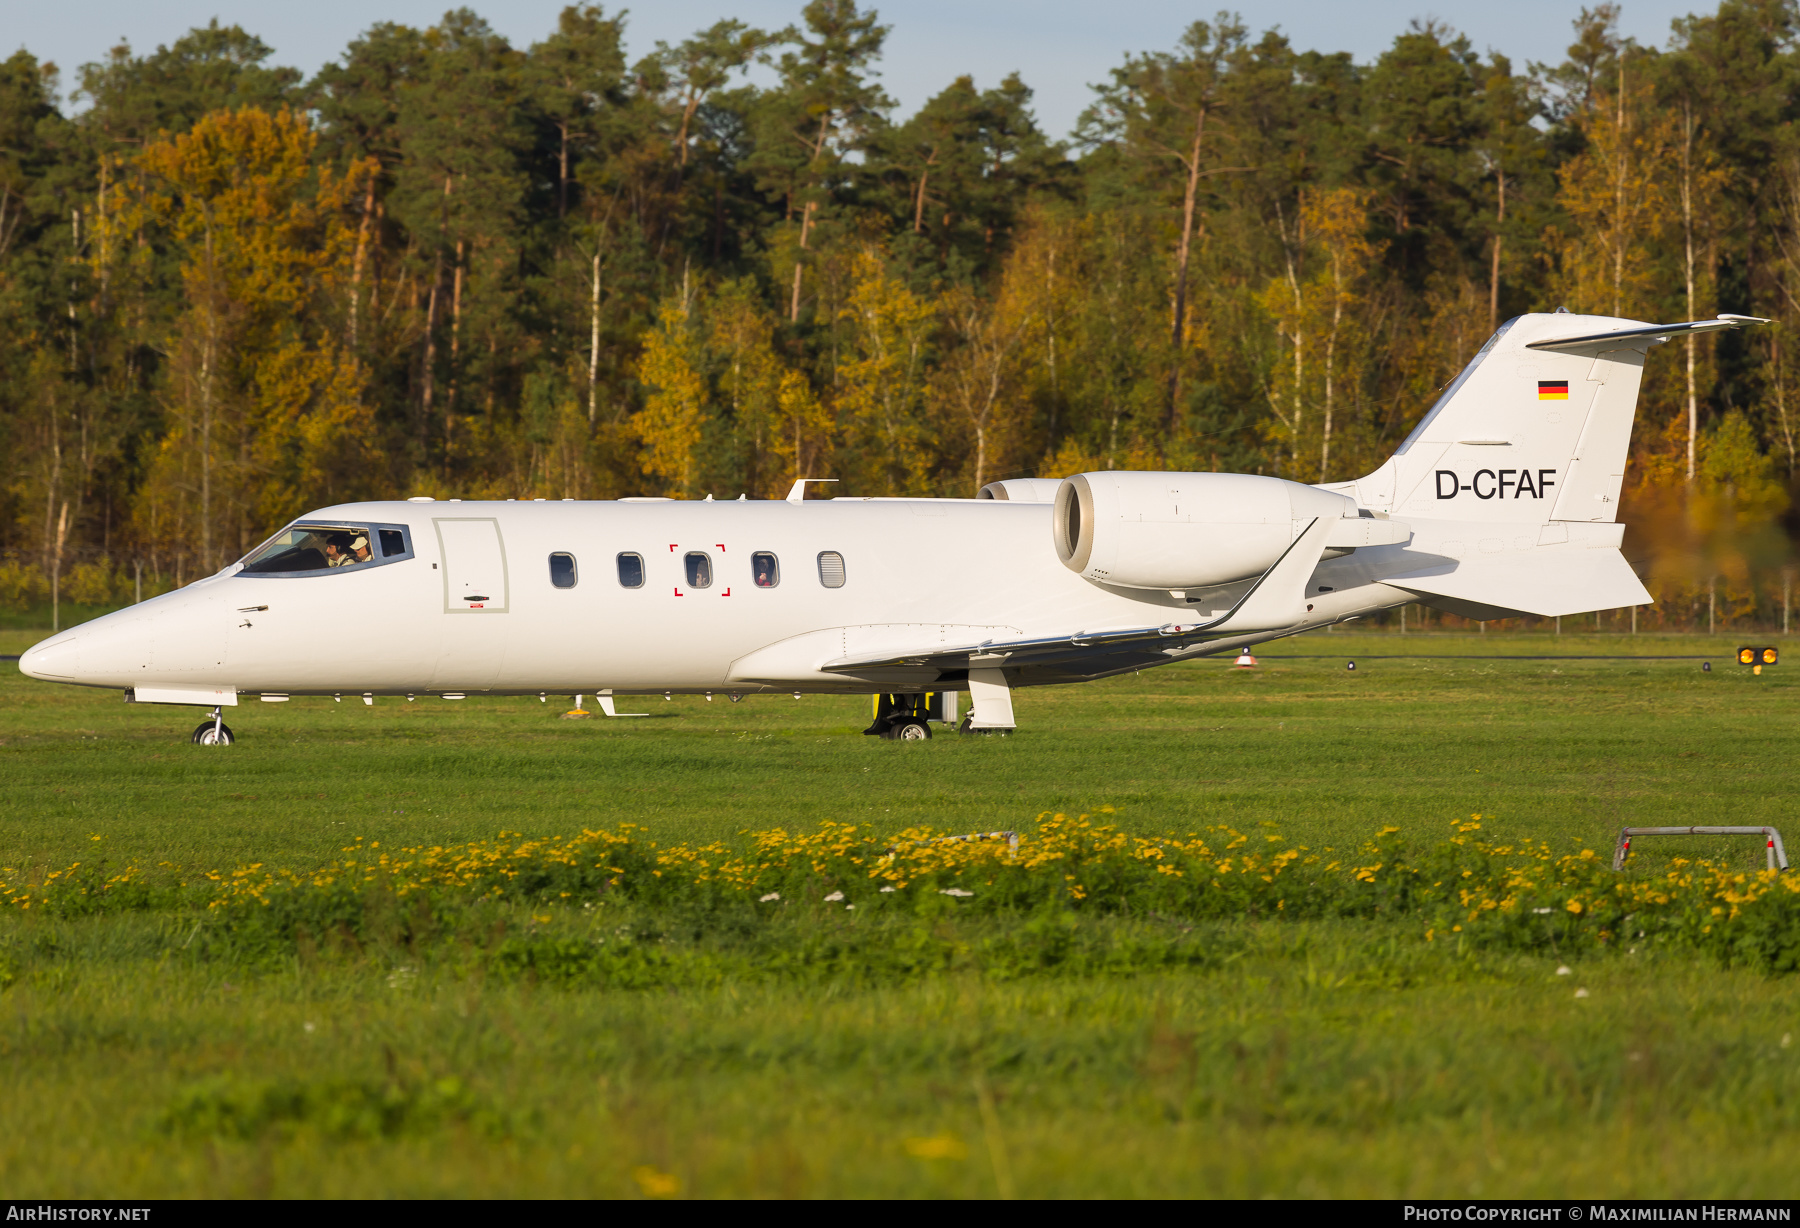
<point>1253,1057</point>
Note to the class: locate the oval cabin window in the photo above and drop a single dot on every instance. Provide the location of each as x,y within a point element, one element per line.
<point>631,570</point>
<point>831,569</point>
<point>562,570</point>
<point>699,569</point>
<point>766,568</point>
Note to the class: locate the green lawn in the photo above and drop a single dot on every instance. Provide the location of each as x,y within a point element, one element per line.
<point>1330,1058</point>
<point>1554,748</point>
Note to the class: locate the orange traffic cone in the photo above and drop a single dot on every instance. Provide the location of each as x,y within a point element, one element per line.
<point>1245,660</point>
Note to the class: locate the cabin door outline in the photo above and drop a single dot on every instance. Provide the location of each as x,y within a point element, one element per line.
<point>474,555</point>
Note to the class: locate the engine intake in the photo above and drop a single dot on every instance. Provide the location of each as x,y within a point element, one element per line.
<point>1183,530</point>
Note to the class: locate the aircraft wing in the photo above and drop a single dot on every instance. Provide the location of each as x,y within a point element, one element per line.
<point>1275,602</point>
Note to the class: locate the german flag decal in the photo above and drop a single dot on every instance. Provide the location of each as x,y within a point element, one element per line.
<point>1553,390</point>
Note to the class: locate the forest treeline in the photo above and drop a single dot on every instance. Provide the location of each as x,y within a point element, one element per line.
<point>446,265</point>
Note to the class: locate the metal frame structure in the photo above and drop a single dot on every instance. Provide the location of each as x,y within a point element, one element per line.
<point>1777,852</point>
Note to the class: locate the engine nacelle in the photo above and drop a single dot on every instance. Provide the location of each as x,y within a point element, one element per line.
<point>1183,530</point>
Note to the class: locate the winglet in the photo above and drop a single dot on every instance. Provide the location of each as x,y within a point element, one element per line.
<point>1278,599</point>
<point>799,491</point>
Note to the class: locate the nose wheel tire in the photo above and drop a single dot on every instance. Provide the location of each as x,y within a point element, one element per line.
<point>212,734</point>
<point>907,731</point>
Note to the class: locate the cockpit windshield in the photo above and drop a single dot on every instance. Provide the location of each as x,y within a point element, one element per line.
<point>323,548</point>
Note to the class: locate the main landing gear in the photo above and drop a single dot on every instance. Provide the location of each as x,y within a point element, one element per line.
<point>213,731</point>
<point>907,718</point>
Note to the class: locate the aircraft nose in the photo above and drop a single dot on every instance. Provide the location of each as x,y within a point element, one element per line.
<point>57,659</point>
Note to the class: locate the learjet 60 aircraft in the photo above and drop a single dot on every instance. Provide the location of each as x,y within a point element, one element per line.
<point>1503,501</point>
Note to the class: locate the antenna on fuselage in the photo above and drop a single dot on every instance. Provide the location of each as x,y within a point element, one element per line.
<point>799,491</point>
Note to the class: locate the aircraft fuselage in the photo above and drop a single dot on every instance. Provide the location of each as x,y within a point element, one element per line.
<point>915,573</point>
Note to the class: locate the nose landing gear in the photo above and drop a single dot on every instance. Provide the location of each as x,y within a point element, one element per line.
<point>213,731</point>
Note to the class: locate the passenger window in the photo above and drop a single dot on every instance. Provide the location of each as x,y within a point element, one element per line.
<point>699,569</point>
<point>393,543</point>
<point>631,570</point>
<point>831,569</point>
<point>562,570</point>
<point>766,568</point>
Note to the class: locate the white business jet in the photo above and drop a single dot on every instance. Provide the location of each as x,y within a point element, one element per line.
<point>1502,502</point>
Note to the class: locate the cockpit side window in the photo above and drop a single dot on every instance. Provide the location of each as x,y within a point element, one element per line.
<point>325,549</point>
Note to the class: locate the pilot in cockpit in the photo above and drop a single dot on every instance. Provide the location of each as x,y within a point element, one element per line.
<point>359,548</point>
<point>340,550</point>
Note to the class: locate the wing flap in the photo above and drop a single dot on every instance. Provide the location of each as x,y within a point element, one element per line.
<point>1013,652</point>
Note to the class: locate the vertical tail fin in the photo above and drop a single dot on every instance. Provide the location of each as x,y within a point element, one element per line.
<point>1537,427</point>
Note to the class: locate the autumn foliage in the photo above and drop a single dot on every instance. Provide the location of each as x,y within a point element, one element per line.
<point>451,266</point>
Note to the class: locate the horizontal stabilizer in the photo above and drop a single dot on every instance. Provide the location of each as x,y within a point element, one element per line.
<point>1654,334</point>
<point>1548,583</point>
